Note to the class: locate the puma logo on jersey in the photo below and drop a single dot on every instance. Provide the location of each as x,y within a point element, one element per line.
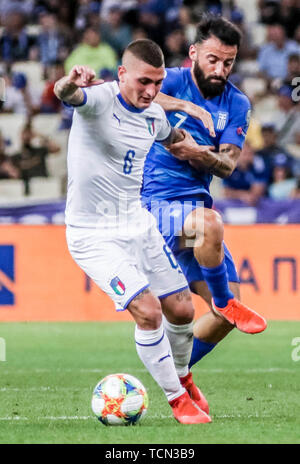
<point>118,119</point>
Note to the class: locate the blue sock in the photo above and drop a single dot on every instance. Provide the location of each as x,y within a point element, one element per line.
<point>199,350</point>
<point>217,282</point>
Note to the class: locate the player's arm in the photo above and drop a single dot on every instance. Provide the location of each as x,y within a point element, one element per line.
<point>175,104</point>
<point>201,157</point>
<point>68,88</point>
<point>175,136</point>
<point>223,163</point>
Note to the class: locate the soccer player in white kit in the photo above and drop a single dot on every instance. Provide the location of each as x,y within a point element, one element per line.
<point>110,236</point>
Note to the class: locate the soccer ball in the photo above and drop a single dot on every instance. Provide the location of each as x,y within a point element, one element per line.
<point>119,399</point>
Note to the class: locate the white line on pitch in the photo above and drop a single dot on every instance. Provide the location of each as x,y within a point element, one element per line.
<point>130,369</point>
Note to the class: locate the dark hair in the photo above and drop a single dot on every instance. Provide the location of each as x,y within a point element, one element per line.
<point>294,57</point>
<point>148,51</point>
<point>219,27</point>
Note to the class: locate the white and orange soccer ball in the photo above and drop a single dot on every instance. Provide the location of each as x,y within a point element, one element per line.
<point>119,399</point>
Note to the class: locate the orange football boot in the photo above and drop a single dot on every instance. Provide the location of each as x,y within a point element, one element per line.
<point>187,412</point>
<point>244,318</point>
<point>195,393</point>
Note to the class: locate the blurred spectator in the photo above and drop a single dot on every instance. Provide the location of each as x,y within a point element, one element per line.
<point>271,148</point>
<point>107,75</point>
<point>295,193</point>
<point>32,158</point>
<point>139,33</point>
<point>249,179</point>
<point>126,6</point>
<point>284,12</point>
<point>21,98</point>
<point>86,10</point>
<point>287,118</point>
<point>293,68</point>
<point>52,42</point>
<point>297,35</point>
<point>15,43</point>
<point>289,16</point>
<point>114,31</point>
<point>188,23</point>
<point>283,182</point>
<point>152,23</point>
<point>92,52</point>
<point>7,168</point>
<point>254,134</point>
<point>175,48</point>
<point>273,56</point>
<point>269,11</point>
<point>49,102</point>
<point>25,7</point>
<point>247,49</point>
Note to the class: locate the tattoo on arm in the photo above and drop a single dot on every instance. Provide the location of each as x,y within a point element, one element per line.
<point>174,136</point>
<point>225,161</point>
<point>68,92</point>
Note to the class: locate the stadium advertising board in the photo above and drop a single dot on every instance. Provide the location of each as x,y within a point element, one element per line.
<point>39,281</point>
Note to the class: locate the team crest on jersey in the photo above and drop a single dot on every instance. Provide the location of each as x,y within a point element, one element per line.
<point>150,124</point>
<point>117,286</point>
<point>222,120</point>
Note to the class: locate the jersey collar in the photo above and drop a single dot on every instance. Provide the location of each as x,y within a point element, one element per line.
<point>128,107</point>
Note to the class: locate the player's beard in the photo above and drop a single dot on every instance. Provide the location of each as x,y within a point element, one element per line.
<point>208,88</point>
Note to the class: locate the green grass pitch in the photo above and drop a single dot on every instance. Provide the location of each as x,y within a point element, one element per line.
<point>251,382</point>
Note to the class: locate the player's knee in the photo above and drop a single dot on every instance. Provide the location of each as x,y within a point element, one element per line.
<point>183,313</point>
<point>148,315</point>
<point>181,309</point>
<point>150,318</point>
<point>213,229</point>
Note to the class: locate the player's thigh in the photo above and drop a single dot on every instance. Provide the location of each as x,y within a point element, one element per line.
<point>108,264</point>
<point>161,267</point>
<point>201,222</point>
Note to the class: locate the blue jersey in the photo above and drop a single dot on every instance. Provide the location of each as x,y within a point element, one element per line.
<point>166,177</point>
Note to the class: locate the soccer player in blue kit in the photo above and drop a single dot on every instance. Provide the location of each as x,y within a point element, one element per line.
<point>176,188</point>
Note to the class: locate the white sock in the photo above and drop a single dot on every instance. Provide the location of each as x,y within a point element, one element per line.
<point>154,350</point>
<point>181,341</point>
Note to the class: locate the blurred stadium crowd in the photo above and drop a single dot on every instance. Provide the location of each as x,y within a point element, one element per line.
<point>40,40</point>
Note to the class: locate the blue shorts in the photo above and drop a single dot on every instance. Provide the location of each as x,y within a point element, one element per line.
<point>170,217</point>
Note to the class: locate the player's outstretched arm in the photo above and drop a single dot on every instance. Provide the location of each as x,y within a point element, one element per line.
<point>68,87</point>
<point>175,104</point>
<point>201,157</point>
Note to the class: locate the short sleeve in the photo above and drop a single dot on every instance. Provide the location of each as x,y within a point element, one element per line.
<point>171,81</point>
<point>95,100</point>
<point>165,127</point>
<point>239,119</point>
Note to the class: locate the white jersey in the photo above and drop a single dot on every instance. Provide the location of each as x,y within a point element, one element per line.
<point>108,144</point>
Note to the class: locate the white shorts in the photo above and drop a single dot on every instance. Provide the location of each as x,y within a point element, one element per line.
<point>124,266</point>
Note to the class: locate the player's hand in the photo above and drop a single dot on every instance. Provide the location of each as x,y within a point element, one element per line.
<point>200,113</point>
<point>83,76</point>
<point>188,148</point>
